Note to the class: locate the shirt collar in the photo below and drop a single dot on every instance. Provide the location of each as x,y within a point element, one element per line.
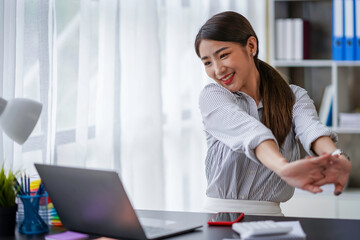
<point>242,94</point>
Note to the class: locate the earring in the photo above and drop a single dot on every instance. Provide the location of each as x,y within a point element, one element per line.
<point>253,54</point>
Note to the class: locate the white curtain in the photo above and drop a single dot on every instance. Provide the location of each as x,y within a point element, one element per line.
<point>119,80</point>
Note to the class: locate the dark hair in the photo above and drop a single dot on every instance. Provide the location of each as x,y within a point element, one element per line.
<point>278,98</point>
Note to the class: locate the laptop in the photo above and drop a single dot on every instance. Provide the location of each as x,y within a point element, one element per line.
<point>95,202</point>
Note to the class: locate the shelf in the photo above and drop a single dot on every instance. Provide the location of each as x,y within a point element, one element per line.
<point>301,0</point>
<point>315,63</point>
<point>303,63</point>
<point>314,75</point>
<point>347,63</point>
<point>346,130</point>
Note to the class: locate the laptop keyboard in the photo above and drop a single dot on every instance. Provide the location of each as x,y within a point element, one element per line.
<point>155,231</point>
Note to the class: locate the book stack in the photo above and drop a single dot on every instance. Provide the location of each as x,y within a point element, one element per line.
<point>349,120</point>
<point>292,39</point>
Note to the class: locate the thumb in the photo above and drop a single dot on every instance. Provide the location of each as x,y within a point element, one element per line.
<point>312,188</point>
<point>321,160</point>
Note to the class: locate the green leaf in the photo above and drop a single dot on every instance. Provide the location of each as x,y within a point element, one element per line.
<point>7,191</point>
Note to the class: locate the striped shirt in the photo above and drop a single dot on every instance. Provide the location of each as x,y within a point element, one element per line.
<point>232,123</point>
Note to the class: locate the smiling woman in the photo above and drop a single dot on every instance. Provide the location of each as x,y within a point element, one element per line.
<point>252,121</point>
<point>221,64</point>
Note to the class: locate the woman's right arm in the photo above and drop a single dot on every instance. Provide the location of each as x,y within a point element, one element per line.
<point>227,121</point>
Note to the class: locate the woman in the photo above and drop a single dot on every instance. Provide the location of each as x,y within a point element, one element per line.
<point>252,120</point>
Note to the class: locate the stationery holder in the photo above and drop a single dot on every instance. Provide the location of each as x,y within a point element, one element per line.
<point>33,213</point>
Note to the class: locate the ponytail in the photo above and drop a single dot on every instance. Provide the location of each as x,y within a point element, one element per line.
<point>278,101</point>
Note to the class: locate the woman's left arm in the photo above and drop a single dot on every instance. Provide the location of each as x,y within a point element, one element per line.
<point>338,171</point>
<point>317,139</point>
<point>307,125</point>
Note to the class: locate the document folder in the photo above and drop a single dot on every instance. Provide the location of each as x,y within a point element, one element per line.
<point>289,39</point>
<point>280,39</point>
<point>357,29</point>
<point>301,39</point>
<point>338,30</point>
<point>349,16</point>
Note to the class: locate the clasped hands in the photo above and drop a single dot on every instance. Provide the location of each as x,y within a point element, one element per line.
<point>311,173</point>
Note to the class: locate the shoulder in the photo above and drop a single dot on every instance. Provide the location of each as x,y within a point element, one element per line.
<point>214,87</point>
<point>299,92</point>
<point>296,89</point>
<point>214,90</point>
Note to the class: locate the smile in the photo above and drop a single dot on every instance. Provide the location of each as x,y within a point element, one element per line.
<point>228,78</point>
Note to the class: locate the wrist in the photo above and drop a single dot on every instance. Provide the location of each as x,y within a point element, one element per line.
<point>340,152</point>
<point>279,166</point>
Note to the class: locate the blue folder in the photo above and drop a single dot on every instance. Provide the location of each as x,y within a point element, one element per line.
<point>329,117</point>
<point>338,40</point>
<point>349,29</point>
<point>357,29</point>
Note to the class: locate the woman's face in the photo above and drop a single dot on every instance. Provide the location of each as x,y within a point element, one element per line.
<point>228,63</point>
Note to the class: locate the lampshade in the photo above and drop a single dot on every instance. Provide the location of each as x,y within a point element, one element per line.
<point>18,117</point>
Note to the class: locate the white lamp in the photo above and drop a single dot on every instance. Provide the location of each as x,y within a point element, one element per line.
<point>18,117</point>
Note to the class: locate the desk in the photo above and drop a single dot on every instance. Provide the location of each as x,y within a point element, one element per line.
<point>315,228</point>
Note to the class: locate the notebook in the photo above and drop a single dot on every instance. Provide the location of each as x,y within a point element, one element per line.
<point>68,235</point>
<point>95,202</point>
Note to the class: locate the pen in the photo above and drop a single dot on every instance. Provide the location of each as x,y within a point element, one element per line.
<point>28,185</point>
<point>25,184</point>
<point>22,183</point>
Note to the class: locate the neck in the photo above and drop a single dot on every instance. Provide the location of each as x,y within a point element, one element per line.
<point>253,86</point>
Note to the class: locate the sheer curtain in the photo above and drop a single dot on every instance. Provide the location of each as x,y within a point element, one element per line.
<point>119,81</point>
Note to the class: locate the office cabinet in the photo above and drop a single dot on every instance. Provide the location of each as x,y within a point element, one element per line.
<point>349,208</point>
<point>323,205</point>
<point>315,71</point>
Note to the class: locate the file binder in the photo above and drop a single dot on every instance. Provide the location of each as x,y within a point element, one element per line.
<point>357,29</point>
<point>301,43</point>
<point>289,39</point>
<point>325,111</point>
<point>338,30</point>
<point>349,17</point>
<point>280,39</point>
<point>298,26</point>
<point>329,117</point>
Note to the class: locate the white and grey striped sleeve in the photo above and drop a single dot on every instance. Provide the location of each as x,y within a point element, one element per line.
<point>225,119</point>
<point>307,124</point>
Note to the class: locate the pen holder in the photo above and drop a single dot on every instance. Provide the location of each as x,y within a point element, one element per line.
<point>33,214</point>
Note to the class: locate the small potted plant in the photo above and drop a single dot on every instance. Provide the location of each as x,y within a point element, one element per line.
<point>8,205</point>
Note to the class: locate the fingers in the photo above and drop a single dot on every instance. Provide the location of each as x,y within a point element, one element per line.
<point>338,189</point>
<point>321,182</point>
<point>334,159</point>
<point>326,169</point>
<point>322,160</point>
<point>312,188</point>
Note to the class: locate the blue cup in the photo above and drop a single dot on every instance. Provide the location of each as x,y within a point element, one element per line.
<point>33,214</point>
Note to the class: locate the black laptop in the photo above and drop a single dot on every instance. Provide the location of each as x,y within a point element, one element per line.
<point>95,202</point>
